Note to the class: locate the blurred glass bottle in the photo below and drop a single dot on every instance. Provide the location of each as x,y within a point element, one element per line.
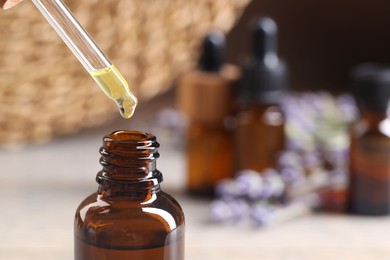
<point>205,95</point>
<point>259,132</point>
<point>129,217</point>
<point>369,191</point>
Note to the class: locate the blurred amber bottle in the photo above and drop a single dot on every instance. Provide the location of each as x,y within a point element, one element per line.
<point>369,191</point>
<point>129,217</point>
<point>259,132</point>
<point>205,95</point>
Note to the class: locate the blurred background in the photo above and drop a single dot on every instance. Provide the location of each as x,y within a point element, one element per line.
<point>53,116</point>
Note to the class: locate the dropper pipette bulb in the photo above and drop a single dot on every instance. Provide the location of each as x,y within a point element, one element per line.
<point>264,38</point>
<point>213,49</point>
<point>264,74</point>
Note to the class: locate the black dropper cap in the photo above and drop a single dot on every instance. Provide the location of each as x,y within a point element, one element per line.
<point>264,75</point>
<point>213,49</point>
<point>371,86</point>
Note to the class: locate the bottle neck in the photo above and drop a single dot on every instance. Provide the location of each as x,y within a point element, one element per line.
<point>373,118</point>
<point>129,165</point>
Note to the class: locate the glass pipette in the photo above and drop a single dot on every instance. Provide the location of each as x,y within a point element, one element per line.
<point>88,53</point>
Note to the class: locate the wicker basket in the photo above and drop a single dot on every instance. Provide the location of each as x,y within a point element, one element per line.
<point>45,92</point>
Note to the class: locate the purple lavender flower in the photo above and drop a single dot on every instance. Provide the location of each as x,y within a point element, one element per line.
<point>347,107</point>
<point>261,214</point>
<point>275,183</point>
<point>171,118</point>
<point>289,159</point>
<point>229,210</point>
<point>229,189</point>
<point>221,211</point>
<point>251,184</point>
<point>311,160</point>
<point>290,174</point>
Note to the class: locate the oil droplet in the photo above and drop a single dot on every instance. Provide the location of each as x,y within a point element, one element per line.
<point>127,105</point>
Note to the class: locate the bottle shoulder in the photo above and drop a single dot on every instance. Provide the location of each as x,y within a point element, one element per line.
<point>266,115</point>
<point>129,224</point>
<point>160,209</point>
<point>363,129</point>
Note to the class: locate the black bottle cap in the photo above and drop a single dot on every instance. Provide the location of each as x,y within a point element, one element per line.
<point>264,75</point>
<point>213,49</point>
<point>371,86</point>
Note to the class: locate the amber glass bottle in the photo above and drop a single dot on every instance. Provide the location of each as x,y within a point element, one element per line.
<point>369,191</point>
<point>129,217</point>
<point>263,126</point>
<point>205,95</point>
<point>259,132</point>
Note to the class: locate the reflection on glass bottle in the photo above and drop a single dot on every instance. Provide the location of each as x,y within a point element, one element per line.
<point>370,143</point>
<point>259,133</point>
<point>129,217</point>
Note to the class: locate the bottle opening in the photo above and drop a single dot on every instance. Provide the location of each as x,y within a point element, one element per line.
<point>131,145</point>
<point>128,136</point>
<point>130,155</point>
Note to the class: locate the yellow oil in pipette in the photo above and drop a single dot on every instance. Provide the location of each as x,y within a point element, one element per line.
<point>88,53</point>
<point>115,86</point>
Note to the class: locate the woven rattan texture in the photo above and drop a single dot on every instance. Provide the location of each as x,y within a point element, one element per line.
<point>45,92</point>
